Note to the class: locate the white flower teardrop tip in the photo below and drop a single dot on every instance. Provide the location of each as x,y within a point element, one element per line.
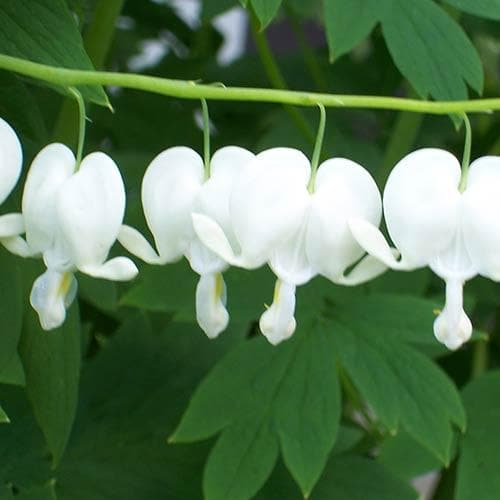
<point>173,189</point>
<point>274,218</point>
<point>72,219</point>
<point>433,224</point>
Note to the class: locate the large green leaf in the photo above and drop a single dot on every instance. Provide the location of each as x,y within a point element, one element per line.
<point>267,394</point>
<point>484,8</point>
<point>348,22</point>
<point>45,31</point>
<point>402,386</point>
<point>431,50</point>
<point>132,394</point>
<point>11,313</point>
<point>477,475</point>
<point>52,364</point>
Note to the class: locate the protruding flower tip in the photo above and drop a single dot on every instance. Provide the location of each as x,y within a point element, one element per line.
<point>51,295</point>
<point>452,333</point>
<point>211,312</point>
<point>277,323</point>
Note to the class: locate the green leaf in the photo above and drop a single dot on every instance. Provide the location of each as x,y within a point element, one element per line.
<point>45,31</point>
<point>431,50</point>
<point>483,8</point>
<point>404,388</point>
<point>356,478</point>
<point>348,22</point>
<point>132,394</point>
<point>266,10</point>
<point>52,364</point>
<point>479,459</point>
<point>277,387</point>
<point>11,313</point>
<point>241,460</point>
<point>4,418</point>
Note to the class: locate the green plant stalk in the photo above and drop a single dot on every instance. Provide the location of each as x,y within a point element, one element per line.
<point>317,148</point>
<point>81,129</point>
<point>466,156</point>
<point>97,42</point>
<point>186,89</point>
<point>206,138</point>
<point>276,78</point>
<point>480,358</point>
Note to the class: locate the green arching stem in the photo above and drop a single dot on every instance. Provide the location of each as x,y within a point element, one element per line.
<point>206,138</point>
<point>317,147</point>
<point>276,78</point>
<point>466,157</point>
<point>184,89</point>
<point>81,130</point>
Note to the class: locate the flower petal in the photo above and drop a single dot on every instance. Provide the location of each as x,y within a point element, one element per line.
<point>135,243</point>
<point>203,260</point>
<point>211,312</point>
<point>480,215</point>
<point>90,210</point>
<point>11,225</point>
<point>50,169</point>
<point>366,269</point>
<point>453,327</point>
<point>374,243</point>
<point>117,269</point>
<point>17,246</point>
<point>277,323</point>
<point>421,204</point>
<point>268,202</point>
<point>51,295</point>
<point>343,190</point>
<point>169,188</point>
<point>11,159</point>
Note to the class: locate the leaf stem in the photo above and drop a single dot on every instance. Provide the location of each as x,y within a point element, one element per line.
<point>466,156</point>
<point>187,89</point>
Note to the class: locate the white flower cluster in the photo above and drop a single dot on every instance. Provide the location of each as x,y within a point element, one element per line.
<point>247,210</point>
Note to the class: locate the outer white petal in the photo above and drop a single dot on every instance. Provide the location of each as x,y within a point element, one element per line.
<point>211,312</point>
<point>203,260</point>
<point>421,204</point>
<point>344,190</point>
<point>268,202</point>
<point>374,243</point>
<point>134,242</point>
<point>90,209</point>
<point>277,323</point>
<point>227,165</point>
<point>481,216</point>
<point>290,261</point>
<point>51,295</point>
<point>11,159</point>
<point>11,225</point>
<point>117,269</point>
<point>17,246</point>
<point>50,169</point>
<point>169,188</point>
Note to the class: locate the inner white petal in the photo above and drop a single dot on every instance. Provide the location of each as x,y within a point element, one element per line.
<point>211,312</point>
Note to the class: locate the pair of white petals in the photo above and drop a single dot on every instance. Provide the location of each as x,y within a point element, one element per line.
<point>432,223</point>
<point>275,219</point>
<point>71,219</point>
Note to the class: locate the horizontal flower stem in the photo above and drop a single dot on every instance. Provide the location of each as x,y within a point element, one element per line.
<point>183,89</point>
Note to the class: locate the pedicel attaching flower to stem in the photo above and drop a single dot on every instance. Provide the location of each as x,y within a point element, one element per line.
<point>73,210</point>
<point>444,217</point>
<point>178,183</point>
<point>294,216</point>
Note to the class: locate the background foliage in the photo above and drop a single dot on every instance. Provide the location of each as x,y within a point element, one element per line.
<point>362,399</point>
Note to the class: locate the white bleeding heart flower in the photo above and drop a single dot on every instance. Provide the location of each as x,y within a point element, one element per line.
<point>432,223</point>
<point>274,218</point>
<point>11,158</point>
<point>72,218</point>
<point>173,188</point>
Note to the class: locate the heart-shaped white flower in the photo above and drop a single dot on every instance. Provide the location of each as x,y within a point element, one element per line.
<point>432,223</point>
<point>72,219</point>
<point>173,188</point>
